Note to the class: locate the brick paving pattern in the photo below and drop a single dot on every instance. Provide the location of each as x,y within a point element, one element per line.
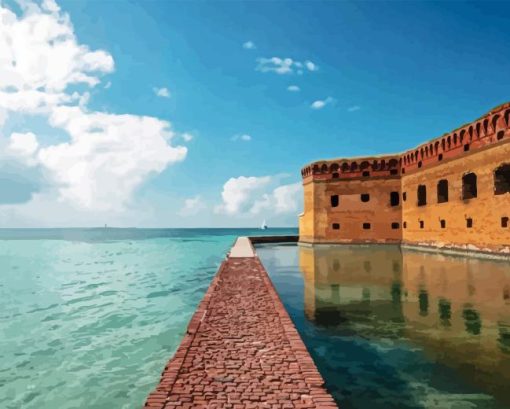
<point>241,350</point>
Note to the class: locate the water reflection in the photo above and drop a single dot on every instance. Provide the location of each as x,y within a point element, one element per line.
<point>455,310</point>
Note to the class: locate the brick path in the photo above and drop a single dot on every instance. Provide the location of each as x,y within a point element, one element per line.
<point>241,350</point>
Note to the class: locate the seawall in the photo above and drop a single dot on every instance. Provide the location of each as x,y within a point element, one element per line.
<point>241,349</point>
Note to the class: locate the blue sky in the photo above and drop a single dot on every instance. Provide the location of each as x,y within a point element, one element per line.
<point>366,78</point>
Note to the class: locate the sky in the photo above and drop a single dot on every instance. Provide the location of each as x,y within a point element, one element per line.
<point>201,114</point>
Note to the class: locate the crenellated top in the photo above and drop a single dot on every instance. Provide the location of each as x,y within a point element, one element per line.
<point>361,167</point>
<point>492,127</point>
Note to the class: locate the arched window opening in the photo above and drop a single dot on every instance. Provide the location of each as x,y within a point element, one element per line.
<point>486,126</point>
<point>478,130</point>
<point>324,168</point>
<point>501,135</point>
<point>422,195</point>
<point>315,168</point>
<point>454,139</point>
<point>470,133</point>
<point>334,167</point>
<point>345,167</point>
<point>442,191</point>
<point>449,142</point>
<point>507,117</point>
<point>393,163</point>
<point>443,144</point>
<point>354,166</point>
<point>461,136</point>
<point>502,180</point>
<point>427,151</point>
<point>335,200</point>
<point>469,188</point>
<point>364,165</point>
<point>495,122</point>
<point>436,147</point>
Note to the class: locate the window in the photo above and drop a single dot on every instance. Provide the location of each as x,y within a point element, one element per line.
<point>394,198</point>
<point>365,197</point>
<point>335,175</point>
<point>466,147</point>
<point>422,195</point>
<point>365,173</point>
<point>403,170</point>
<point>393,172</point>
<point>442,191</point>
<point>422,224</point>
<point>404,196</point>
<point>334,200</point>
<point>405,225</point>
<point>502,180</point>
<point>469,190</point>
<point>336,226</point>
<point>366,226</point>
<point>504,222</point>
<point>500,135</point>
<point>469,222</point>
<point>394,226</point>
<point>419,164</point>
<point>443,223</point>
<point>440,156</point>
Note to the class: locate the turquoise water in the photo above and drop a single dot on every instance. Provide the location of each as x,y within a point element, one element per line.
<point>89,318</point>
<point>390,328</point>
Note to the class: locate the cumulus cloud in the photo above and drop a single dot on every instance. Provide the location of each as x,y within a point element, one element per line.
<point>284,65</point>
<point>293,88</point>
<point>319,104</point>
<point>241,137</point>
<point>106,156</point>
<point>255,195</point>
<point>192,206</point>
<point>353,108</point>
<point>162,92</point>
<point>23,146</point>
<point>249,45</point>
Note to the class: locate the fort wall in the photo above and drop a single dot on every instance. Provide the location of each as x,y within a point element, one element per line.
<point>452,192</point>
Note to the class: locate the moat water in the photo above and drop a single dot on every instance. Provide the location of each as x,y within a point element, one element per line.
<point>399,329</point>
<point>89,317</point>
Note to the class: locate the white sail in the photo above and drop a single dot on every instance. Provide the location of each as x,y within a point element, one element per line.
<point>264,225</point>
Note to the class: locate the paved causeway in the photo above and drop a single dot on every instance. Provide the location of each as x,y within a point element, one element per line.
<point>241,349</point>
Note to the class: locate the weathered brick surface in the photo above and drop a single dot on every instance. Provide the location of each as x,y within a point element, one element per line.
<point>241,350</point>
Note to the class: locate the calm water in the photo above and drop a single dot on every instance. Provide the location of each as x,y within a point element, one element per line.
<point>88,318</point>
<point>400,329</point>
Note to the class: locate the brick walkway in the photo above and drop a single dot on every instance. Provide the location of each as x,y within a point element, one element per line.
<point>241,350</point>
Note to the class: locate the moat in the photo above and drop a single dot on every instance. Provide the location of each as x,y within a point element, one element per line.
<point>392,328</point>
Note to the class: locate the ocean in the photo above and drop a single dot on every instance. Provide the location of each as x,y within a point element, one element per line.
<point>89,317</point>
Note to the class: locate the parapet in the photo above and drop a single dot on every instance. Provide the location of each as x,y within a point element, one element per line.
<point>489,129</point>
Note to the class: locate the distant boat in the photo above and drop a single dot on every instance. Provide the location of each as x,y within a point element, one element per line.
<point>264,225</point>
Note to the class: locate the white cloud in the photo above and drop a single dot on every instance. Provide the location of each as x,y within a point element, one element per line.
<point>107,153</point>
<point>284,65</point>
<point>192,206</point>
<point>187,136</point>
<point>255,195</point>
<point>241,137</point>
<point>107,156</point>
<point>249,45</point>
<point>40,52</point>
<point>162,92</point>
<point>293,88</point>
<point>23,146</point>
<point>319,104</point>
<point>353,108</point>
<point>238,193</point>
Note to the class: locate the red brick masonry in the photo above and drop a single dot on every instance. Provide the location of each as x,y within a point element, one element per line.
<point>241,350</point>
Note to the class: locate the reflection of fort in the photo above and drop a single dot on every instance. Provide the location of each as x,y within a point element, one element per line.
<point>456,309</point>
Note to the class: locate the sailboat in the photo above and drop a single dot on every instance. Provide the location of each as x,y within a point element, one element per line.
<point>264,225</point>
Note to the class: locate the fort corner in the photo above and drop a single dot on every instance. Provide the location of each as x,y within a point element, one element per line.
<point>452,192</point>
